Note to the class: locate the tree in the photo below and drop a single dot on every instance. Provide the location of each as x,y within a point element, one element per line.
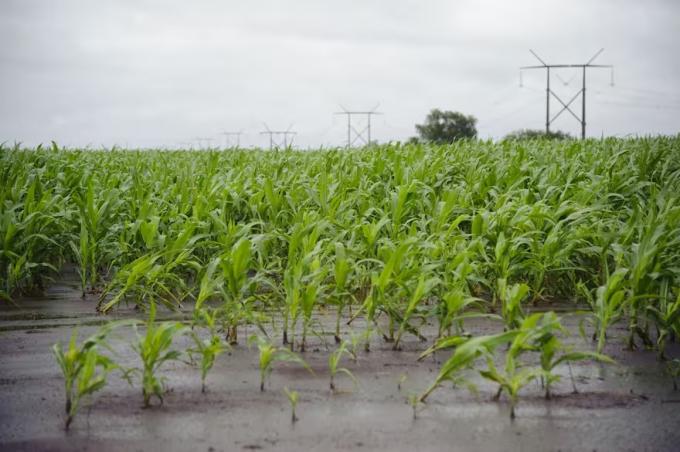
<point>533,134</point>
<point>446,127</point>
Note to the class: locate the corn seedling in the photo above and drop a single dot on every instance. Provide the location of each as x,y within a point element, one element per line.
<point>513,377</point>
<point>456,299</point>
<point>553,353</point>
<point>237,286</point>
<point>154,350</point>
<point>607,305</point>
<point>94,238</point>
<point>342,270</point>
<point>402,379</point>
<point>270,355</point>
<point>384,285</point>
<point>210,347</point>
<point>414,400</point>
<point>313,288</point>
<point>423,288</point>
<point>334,365</point>
<point>84,369</point>
<point>666,316</point>
<point>467,351</point>
<point>646,262</point>
<point>293,399</point>
<point>158,275</point>
<point>511,302</point>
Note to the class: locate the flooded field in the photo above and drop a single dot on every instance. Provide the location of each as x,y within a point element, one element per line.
<point>629,406</point>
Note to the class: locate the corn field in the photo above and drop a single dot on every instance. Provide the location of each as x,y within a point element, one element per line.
<point>398,236</point>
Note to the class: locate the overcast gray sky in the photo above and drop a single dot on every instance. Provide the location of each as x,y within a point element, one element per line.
<point>161,73</point>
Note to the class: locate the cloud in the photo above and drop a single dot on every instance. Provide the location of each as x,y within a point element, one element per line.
<point>151,73</point>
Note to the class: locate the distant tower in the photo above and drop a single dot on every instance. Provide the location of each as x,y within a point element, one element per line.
<point>354,135</point>
<point>581,92</point>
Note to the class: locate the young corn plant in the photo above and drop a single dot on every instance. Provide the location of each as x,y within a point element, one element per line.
<point>378,298</point>
<point>422,290</point>
<point>607,305</point>
<point>270,355</point>
<point>404,285</point>
<point>334,365</point>
<point>467,351</point>
<point>511,302</point>
<point>313,289</point>
<point>209,348</point>
<point>157,276</point>
<point>209,286</point>
<point>553,353</point>
<point>83,367</point>
<point>135,276</point>
<point>506,257</point>
<point>82,379</point>
<point>94,240</point>
<point>154,350</point>
<point>31,225</point>
<point>83,256</point>
<point>455,307</point>
<point>292,286</point>
<point>293,399</point>
<point>415,403</point>
<point>645,263</point>
<point>303,282</point>
<point>342,271</point>
<point>666,316</point>
<point>552,252</point>
<point>455,298</point>
<point>304,248</point>
<point>400,382</point>
<point>514,376</point>
<point>235,265</point>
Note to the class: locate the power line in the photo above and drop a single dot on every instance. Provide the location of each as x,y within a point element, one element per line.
<point>506,115</point>
<point>647,92</point>
<point>279,138</point>
<point>352,133</point>
<point>639,98</point>
<point>640,105</point>
<point>581,93</point>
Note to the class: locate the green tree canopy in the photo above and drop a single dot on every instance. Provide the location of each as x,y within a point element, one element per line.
<point>531,134</point>
<point>446,127</point>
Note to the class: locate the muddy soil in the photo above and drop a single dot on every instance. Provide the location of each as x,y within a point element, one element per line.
<point>628,407</point>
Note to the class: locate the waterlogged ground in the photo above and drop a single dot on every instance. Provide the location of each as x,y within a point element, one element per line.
<point>629,407</point>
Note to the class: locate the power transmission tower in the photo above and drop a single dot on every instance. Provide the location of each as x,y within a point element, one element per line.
<point>581,92</point>
<point>228,138</point>
<point>279,138</point>
<point>362,135</point>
